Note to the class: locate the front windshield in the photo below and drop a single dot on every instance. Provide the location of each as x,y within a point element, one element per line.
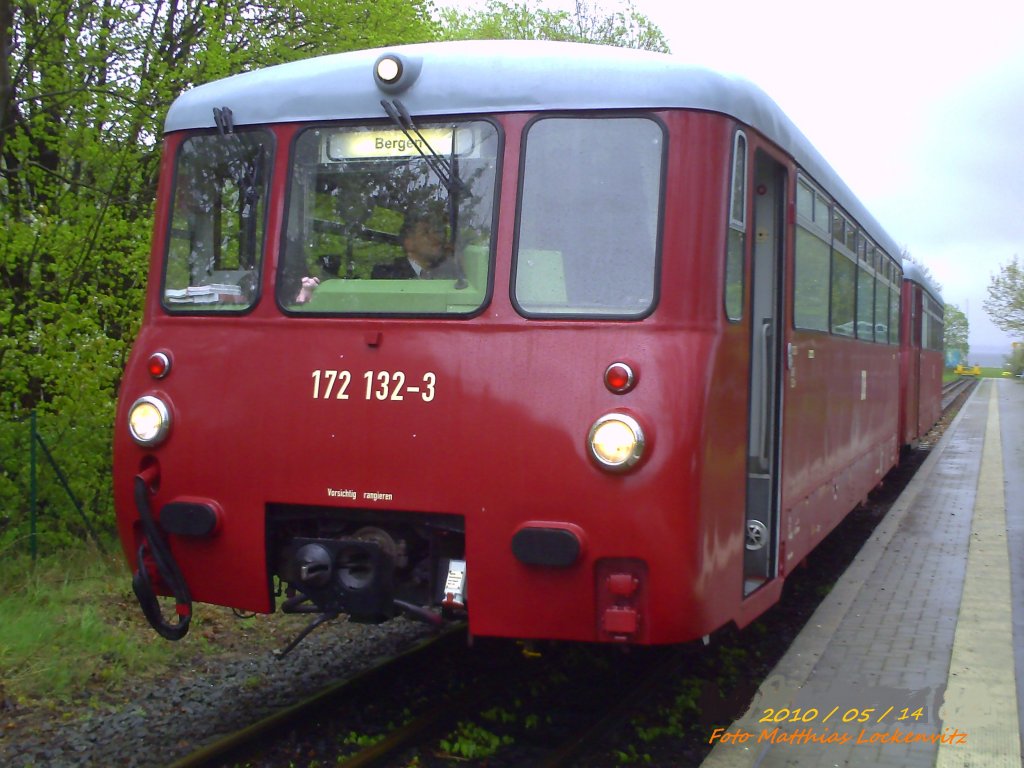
<point>372,228</point>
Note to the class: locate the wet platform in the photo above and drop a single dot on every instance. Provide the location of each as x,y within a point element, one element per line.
<point>916,656</point>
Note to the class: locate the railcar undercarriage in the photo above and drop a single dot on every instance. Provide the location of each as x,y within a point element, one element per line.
<point>367,566</point>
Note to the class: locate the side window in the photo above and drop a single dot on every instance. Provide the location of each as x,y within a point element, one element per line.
<point>811,280</point>
<point>882,324</point>
<point>844,277</point>
<point>896,280</point>
<point>865,294</point>
<point>937,336</point>
<point>844,283</point>
<point>737,230</point>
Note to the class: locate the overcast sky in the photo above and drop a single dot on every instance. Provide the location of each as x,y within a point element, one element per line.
<point>917,105</point>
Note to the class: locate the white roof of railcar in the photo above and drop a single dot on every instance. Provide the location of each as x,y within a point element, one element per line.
<point>915,274</point>
<point>482,77</point>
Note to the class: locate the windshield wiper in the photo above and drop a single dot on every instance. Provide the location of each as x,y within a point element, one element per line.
<point>443,168</point>
<point>246,165</point>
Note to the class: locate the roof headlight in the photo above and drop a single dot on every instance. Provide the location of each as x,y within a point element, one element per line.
<point>616,442</point>
<point>394,73</point>
<point>389,68</point>
<point>149,421</point>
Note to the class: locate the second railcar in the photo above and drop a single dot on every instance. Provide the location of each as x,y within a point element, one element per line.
<point>921,354</point>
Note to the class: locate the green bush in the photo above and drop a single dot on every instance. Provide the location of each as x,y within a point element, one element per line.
<point>78,440</point>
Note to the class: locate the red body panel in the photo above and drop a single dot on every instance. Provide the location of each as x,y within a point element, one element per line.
<point>841,407</point>
<point>920,370</point>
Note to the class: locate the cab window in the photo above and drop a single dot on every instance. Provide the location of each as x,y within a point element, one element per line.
<point>215,244</point>
<point>384,222</point>
<point>589,215</point>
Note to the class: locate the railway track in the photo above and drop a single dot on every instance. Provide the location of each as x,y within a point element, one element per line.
<point>952,391</point>
<point>244,746</point>
<point>497,703</point>
<point>443,710</point>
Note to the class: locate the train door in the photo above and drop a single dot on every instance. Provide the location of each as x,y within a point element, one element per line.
<point>913,405</point>
<point>760,563</point>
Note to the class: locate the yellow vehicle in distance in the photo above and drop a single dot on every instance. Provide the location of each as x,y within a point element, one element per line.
<point>967,370</point>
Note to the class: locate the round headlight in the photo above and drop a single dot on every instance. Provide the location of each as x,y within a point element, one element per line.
<point>149,421</point>
<point>389,68</point>
<point>616,441</point>
<point>394,73</point>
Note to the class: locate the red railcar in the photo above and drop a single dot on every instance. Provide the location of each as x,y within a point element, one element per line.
<point>656,364</point>
<point>921,354</point>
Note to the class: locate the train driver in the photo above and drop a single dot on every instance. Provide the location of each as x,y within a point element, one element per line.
<point>427,255</point>
<point>427,251</point>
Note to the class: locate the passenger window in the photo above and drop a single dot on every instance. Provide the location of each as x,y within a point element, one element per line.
<point>894,311</point>
<point>811,280</point>
<point>938,325</point>
<point>865,304</point>
<point>804,201</point>
<point>822,213</point>
<point>838,234</point>
<point>844,286</point>
<point>881,309</point>
<point>812,286</point>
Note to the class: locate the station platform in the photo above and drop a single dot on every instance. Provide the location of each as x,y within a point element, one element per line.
<point>916,656</point>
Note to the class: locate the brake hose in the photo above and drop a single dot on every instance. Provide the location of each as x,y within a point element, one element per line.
<point>166,566</point>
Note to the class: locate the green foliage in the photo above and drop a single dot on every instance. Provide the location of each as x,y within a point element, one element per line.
<point>674,720</point>
<point>72,633</point>
<point>83,89</point>
<point>1015,362</point>
<point>956,330</point>
<point>1005,302</point>
<point>78,438</point>
<point>472,742</point>
<point>632,756</point>
<point>625,27</point>
<point>361,740</point>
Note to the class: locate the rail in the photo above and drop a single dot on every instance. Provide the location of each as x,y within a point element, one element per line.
<point>954,391</point>
<point>240,742</point>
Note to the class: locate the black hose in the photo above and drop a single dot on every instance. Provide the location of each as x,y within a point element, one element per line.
<point>166,566</point>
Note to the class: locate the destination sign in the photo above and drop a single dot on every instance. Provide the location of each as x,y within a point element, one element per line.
<point>384,143</point>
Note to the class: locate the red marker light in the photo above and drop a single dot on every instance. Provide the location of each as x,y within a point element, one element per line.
<point>159,365</point>
<point>619,378</point>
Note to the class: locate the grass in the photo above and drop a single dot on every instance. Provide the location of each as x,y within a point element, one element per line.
<point>71,630</point>
<point>986,373</point>
<point>992,373</point>
<point>66,628</point>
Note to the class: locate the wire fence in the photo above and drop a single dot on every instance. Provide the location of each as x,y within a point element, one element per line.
<point>54,487</point>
